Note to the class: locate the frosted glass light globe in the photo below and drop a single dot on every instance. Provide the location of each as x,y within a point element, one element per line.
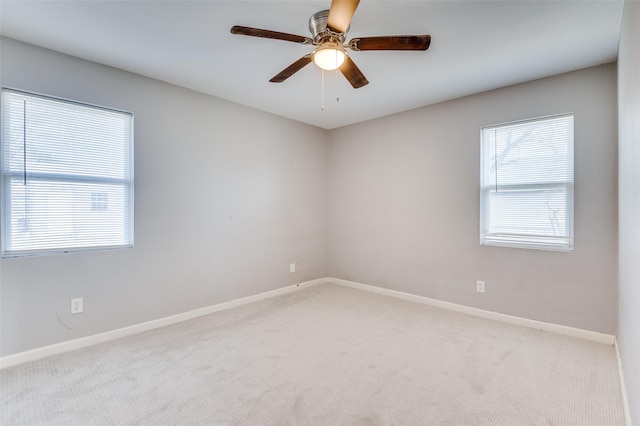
<point>328,58</point>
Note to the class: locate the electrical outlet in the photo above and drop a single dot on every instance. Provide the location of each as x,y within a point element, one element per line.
<point>292,267</point>
<point>480,286</point>
<point>77,305</point>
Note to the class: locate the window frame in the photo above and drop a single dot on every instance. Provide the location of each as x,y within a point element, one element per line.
<point>5,194</point>
<point>563,243</point>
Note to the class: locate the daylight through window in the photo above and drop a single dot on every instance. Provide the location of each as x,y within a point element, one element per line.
<point>67,176</point>
<point>526,197</point>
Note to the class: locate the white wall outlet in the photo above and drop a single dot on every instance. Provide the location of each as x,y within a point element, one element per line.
<point>292,267</point>
<point>77,305</point>
<point>480,286</point>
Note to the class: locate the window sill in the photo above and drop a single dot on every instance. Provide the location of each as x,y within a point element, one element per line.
<point>531,245</point>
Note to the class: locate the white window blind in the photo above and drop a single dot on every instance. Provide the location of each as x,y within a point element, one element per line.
<point>526,197</point>
<point>67,176</point>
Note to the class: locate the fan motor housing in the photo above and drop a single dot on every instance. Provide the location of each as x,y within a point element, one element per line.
<point>321,34</point>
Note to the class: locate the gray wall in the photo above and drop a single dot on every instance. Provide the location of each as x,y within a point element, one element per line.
<point>629,193</point>
<point>403,206</point>
<point>225,198</point>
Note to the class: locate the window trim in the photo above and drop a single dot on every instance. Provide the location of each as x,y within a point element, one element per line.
<point>4,198</point>
<point>528,241</point>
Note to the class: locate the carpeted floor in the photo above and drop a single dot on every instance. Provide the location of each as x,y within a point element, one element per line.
<point>325,355</point>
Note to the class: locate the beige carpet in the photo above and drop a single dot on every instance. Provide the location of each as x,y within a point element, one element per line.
<point>325,355</point>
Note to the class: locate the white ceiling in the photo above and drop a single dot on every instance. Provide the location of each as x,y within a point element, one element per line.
<point>476,46</point>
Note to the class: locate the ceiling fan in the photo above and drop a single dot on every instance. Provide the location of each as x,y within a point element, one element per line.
<point>328,29</point>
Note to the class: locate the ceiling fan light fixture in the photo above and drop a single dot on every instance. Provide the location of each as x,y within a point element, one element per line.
<point>328,29</point>
<point>329,58</point>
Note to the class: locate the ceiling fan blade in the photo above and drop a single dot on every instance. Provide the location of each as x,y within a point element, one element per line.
<point>412,42</point>
<point>257,32</point>
<point>340,14</point>
<point>353,73</point>
<point>291,69</point>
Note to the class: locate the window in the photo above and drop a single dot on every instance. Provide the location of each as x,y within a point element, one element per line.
<point>526,193</point>
<point>66,176</point>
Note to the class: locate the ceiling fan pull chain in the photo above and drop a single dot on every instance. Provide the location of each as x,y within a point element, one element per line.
<point>322,74</point>
<point>337,87</point>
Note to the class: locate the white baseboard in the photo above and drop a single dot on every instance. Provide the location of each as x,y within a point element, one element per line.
<point>83,342</point>
<point>524,322</point>
<point>623,388</point>
<point>70,345</point>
